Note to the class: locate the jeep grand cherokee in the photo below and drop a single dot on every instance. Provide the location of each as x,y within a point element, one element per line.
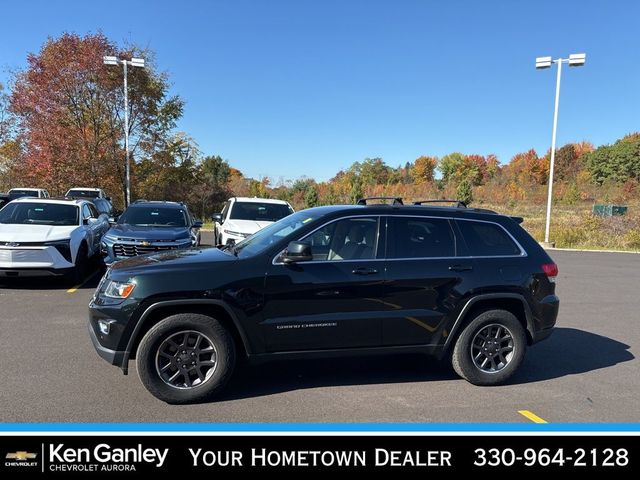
<point>451,282</point>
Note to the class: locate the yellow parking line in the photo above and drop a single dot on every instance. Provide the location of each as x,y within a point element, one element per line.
<point>532,416</point>
<point>75,289</point>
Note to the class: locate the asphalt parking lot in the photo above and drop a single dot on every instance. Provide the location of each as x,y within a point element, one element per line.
<point>588,371</point>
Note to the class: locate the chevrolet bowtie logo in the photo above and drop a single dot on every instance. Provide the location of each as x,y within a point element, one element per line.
<point>145,244</point>
<point>21,456</point>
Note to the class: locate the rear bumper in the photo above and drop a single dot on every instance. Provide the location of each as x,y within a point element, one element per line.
<point>546,318</point>
<point>541,335</point>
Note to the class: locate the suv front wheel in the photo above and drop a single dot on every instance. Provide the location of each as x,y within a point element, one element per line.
<point>186,358</point>
<point>490,348</point>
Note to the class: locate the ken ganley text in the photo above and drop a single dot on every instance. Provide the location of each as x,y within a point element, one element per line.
<point>103,457</point>
<point>262,457</point>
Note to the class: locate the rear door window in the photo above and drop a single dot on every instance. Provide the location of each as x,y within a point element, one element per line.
<point>485,239</point>
<point>415,237</point>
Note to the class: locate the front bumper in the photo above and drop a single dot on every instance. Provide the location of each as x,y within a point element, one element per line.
<point>113,345</point>
<point>114,357</point>
<point>32,261</point>
<point>33,272</point>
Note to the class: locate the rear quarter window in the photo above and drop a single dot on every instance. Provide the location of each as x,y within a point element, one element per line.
<point>487,239</point>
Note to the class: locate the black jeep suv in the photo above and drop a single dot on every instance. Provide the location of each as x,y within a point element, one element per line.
<point>455,282</point>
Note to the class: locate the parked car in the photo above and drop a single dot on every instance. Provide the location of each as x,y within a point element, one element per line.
<point>27,192</point>
<point>150,227</point>
<point>335,280</point>
<point>44,236</point>
<point>86,192</point>
<point>243,216</point>
<point>103,205</point>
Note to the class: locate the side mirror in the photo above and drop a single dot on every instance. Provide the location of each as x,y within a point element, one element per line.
<point>217,217</point>
<point>113,220</point>
<point>108,199</point>
<point>297,252</point>
<point>197,224</point>
<point>90,221</point>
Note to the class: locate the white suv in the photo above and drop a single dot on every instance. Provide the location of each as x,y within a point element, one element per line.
<point>27,192</point>
<point>86,192</point>
<point>43,236</point>
<point>244,216</point>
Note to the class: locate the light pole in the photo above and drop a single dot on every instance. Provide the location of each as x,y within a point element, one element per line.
<point>574,60</point>
<point>134,62</point>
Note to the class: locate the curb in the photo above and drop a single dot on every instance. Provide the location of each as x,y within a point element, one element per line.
<point>592,251</point>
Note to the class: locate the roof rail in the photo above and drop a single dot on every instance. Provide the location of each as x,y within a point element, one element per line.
<point>459,203</point>
<point>396,200</point>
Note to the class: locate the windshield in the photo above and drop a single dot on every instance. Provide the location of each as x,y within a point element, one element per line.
<point>267,212</point>
<point>22,193</point>
<point>39,214</point>
<point>273,233</point>
<point>83,193</point>
<point>154,217</point>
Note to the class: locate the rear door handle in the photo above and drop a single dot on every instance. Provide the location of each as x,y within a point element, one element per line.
<point>460,268</point>
<point>364,271</point>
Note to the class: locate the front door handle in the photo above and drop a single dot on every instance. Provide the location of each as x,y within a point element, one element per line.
<point>364,271</point>
<point>460,268</point>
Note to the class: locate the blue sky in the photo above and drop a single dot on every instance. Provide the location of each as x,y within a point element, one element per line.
<point>291,88</point>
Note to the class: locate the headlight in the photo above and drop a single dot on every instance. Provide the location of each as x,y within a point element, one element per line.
<point>236,234</point>
<point>63,247</point>
<point>119,289</point>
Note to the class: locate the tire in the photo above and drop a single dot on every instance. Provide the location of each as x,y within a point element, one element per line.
<point>150,359</point>
<point>79,272</point>
<point>478,337</point>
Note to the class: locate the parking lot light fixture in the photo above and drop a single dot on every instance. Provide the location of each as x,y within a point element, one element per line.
<point>574,60</point>
<point>134,62</point>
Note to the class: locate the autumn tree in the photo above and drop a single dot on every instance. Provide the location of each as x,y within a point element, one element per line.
<point>69,107</point>
<point>9,144</point>
<point>526,168</point>
<point>423,168</point>
<point>566,163</point>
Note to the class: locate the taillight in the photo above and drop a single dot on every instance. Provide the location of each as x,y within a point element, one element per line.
<point>551,271</point>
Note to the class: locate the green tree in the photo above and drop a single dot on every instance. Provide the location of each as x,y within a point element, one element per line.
<point>212,184</point>
<point>464,192</point>
<point>618,162</point>
<point>311,196</point>
<point>450,166</point>
<point>356,192</point>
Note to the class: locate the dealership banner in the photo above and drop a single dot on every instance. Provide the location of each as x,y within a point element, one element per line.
<point>138,455</point>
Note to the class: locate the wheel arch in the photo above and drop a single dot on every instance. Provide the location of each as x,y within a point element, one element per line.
<point>162,309</point>
<point>514,303</point>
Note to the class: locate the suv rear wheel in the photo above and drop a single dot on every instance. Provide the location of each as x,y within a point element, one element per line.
<point>186,358</point>
<point>490,348</point>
